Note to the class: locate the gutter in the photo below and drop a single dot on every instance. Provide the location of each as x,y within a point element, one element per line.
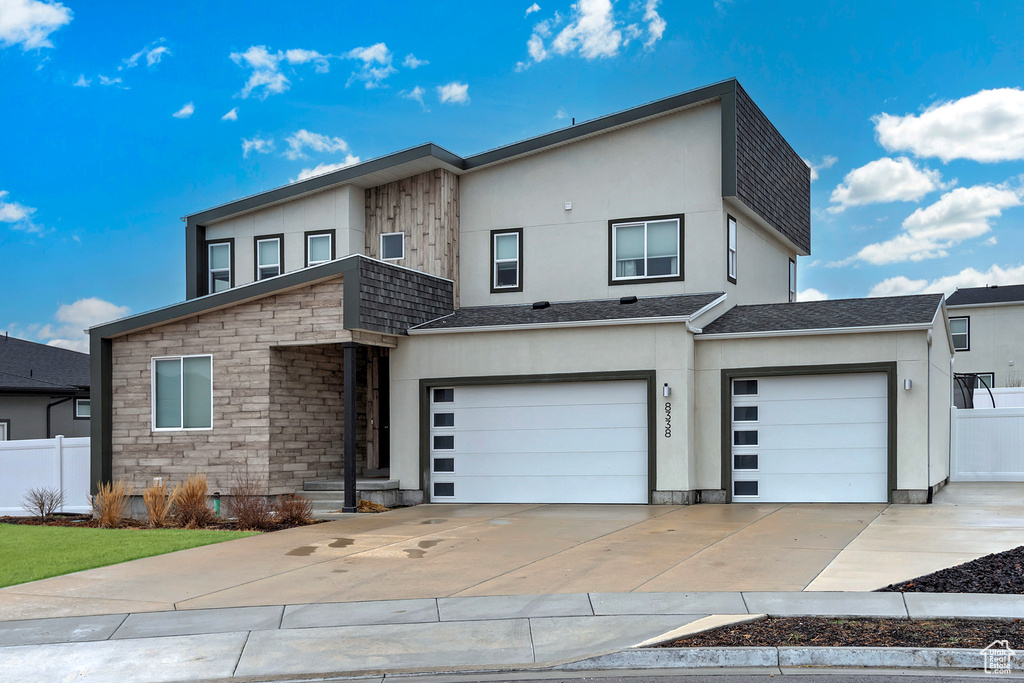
<point>910,327</point>
<point>555,325</point>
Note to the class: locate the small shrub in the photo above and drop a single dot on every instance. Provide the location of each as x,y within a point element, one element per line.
<point>293,509</point>
<point>110,503</point>
<point>247,504</point>
<point>158,503</point>
<point>189,502</point>
<point>1014,379</point>
<point>370,506</point>
<point>43,502</point>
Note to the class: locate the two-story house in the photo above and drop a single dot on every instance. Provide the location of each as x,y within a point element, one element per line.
<point>44,391</point>
<point>988,333</point>
<point>605,313</point>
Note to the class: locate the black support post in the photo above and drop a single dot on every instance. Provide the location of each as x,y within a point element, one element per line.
<point>350,426</point>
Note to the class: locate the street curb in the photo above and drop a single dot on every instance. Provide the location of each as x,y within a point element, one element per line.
<point>826,657</point>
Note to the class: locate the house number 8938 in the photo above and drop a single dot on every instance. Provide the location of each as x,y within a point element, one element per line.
<point>668,419</point>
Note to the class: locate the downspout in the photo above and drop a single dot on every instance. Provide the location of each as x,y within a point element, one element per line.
<point>55,403</point>
<point>929,422</point>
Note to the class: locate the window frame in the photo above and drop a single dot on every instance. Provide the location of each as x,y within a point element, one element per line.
<point>256,255</point>
<point>181,395</point>
<point>732,264</point>
<point>967,332</point>
<point>77,414</point>
<point>792,281</point>
<point>381,243</point>
<point>518,232</point>
<point>230,241</point>
<point>318,233</point>
<point>5,429</point>
<point>645,279</point>
<point>990,375</point>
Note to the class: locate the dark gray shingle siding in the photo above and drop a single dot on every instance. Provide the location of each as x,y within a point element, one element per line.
<point>771,178</point>
<point>573,311</point>
<point>391,300</point>
<point>986,295</point>
<point>820,315</point>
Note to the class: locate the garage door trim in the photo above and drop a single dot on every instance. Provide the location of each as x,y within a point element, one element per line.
<point>427,384</point>
<point>729,374</point>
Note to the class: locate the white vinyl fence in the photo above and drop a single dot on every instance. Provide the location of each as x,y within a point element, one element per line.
<point>58,463</point>
<point>1006,397</point>
<point>988,444</point>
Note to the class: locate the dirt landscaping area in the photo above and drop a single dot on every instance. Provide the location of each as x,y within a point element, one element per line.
<point>996,573</point>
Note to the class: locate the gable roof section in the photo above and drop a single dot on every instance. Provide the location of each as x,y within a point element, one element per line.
<point>895,311</point>
<point>29,366</point>
<point>993,294</point>
<point>572,314</point>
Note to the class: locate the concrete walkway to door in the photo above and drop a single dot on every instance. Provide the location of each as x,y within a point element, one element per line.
<point>435,551</point>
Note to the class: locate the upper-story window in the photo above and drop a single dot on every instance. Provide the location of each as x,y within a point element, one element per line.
<point>646,249</point>
<point>269,256</point>
<point>507,260</point>
<point>792,280</point>
<point>392,246</point>
<point>319,247</point>
<point>219,258</point>
<point>730,256</point>
<point>960,329</point>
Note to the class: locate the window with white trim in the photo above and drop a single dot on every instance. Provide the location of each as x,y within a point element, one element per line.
<point>792,280</point>
<point>319,248</point>
<point>646,249</point>
<point>183,392</point>
<point>5,430</point>
<point>960,329</point>
<point>731,249</point>
<point>268,257</point>
<point>986,379</point>
<point>392,246</point>
<point>82,409</point>
<point>506,260</point>
<point>218,255</point>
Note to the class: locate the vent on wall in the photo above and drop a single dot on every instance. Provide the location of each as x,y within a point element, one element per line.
<point>541,304</point>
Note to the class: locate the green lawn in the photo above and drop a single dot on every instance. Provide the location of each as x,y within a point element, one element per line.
<point>29,553</point>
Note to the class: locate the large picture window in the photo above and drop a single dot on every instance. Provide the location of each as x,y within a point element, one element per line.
<point>960,330</point>
<point>183,392</point>
<point>646,249</point>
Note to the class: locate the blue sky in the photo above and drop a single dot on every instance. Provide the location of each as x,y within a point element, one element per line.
<point>121,117</point>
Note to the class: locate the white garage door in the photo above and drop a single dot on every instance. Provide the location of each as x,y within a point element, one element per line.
<point>810,438</point>
<point>572,442</point>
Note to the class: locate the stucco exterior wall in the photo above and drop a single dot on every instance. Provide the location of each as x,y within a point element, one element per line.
<point>28,417</point>
<point>341,209</point>
<point>997,338</point>
<point>908,349</point>
<point>665,348</point>
<point>762,261</point>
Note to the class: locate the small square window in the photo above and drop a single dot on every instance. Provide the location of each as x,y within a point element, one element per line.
<point>745,461</point>
<point>744,438</point>
<point>444,443</point>
<point>392,246</point>
<point>744,387</point>
<point>444,395</point>
<point>269,257</point>
<point>444,419</point>
<point>985,379</point>
<point>444,489</point>
<point>319,248</point>
<point>744,414</point>
<point>444,464</point>
<point>744,488</point>
<point>82,409</point>
<point>960,330</point>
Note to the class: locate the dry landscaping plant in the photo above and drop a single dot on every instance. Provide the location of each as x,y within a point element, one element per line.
<point>247,504</point>
<point>158,503</point>
<point>293,509</point>
<point>189,502</point>
<point>110,502</point>
<point>370,506</point>
<point>43,502</point>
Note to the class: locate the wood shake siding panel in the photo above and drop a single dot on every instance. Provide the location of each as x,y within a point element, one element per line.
<point>240,339</point>
<point>425,208</point>
<point>391,300</point>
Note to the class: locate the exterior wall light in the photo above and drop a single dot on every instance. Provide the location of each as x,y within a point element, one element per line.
<point>907,383</point>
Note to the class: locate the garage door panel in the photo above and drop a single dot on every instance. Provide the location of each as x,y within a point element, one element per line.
<point>818,488</point>
<point>551,441</point>
<point>820,411</point>
<point>814,387</point>
<point>607,464</point>
<point>572,489</point>
<point>553,394</point>
<point>610,415</point>
<point>833,461</point>
<point>822,436</point>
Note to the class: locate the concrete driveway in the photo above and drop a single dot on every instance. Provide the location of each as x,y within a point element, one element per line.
<point>476,550</point>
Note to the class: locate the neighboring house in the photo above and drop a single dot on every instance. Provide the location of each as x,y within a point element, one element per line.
<point>988,333</point>
<point>44,391</point>
<point>599,314</point>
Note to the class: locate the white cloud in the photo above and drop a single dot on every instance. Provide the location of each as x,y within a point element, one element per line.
<point>109,81</point>
<point>416,94</point>
<point>231,115</point>
<point>591,31</point>
<point>68,329</point>
<point>884,180</point>
<point>410,62</point>
<point>29,23</point>
<point>929,232</point>
<point>532,8</point>
<point>258,145</point>
<point>82,81</point>
<point>828,162</point>
<point>184,112</point>
<point>376,67</point>
<point>152,53</point>
<point>301,139</point>
<point>987,126</point>
<point>320,169</point>
<point>561,114</point>
<point>655,24</point>
<point>266,77</point>
<point>320,62</point>
<point>811,294</point>
<point>17,215</point>
<point>968,277</point>
<point>454,92</point>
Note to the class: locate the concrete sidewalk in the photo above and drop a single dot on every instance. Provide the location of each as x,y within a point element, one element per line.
<point>447,634</point>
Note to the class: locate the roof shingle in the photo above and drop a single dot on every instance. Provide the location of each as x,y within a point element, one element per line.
<point>31,366</point>
<point>993,294</point>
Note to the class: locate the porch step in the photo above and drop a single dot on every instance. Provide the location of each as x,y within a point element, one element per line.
<point>362,484</point>
<point>328,496</point>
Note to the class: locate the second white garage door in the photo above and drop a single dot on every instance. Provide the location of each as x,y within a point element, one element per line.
<point>810,438</point>
<point>571,442</point>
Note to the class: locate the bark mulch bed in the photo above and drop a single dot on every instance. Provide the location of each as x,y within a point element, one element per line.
<point>88,522</point>
<point>973,634</point>
<point>996,573</point>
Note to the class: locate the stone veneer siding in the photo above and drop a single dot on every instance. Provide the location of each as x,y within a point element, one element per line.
<point>240,339</point>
